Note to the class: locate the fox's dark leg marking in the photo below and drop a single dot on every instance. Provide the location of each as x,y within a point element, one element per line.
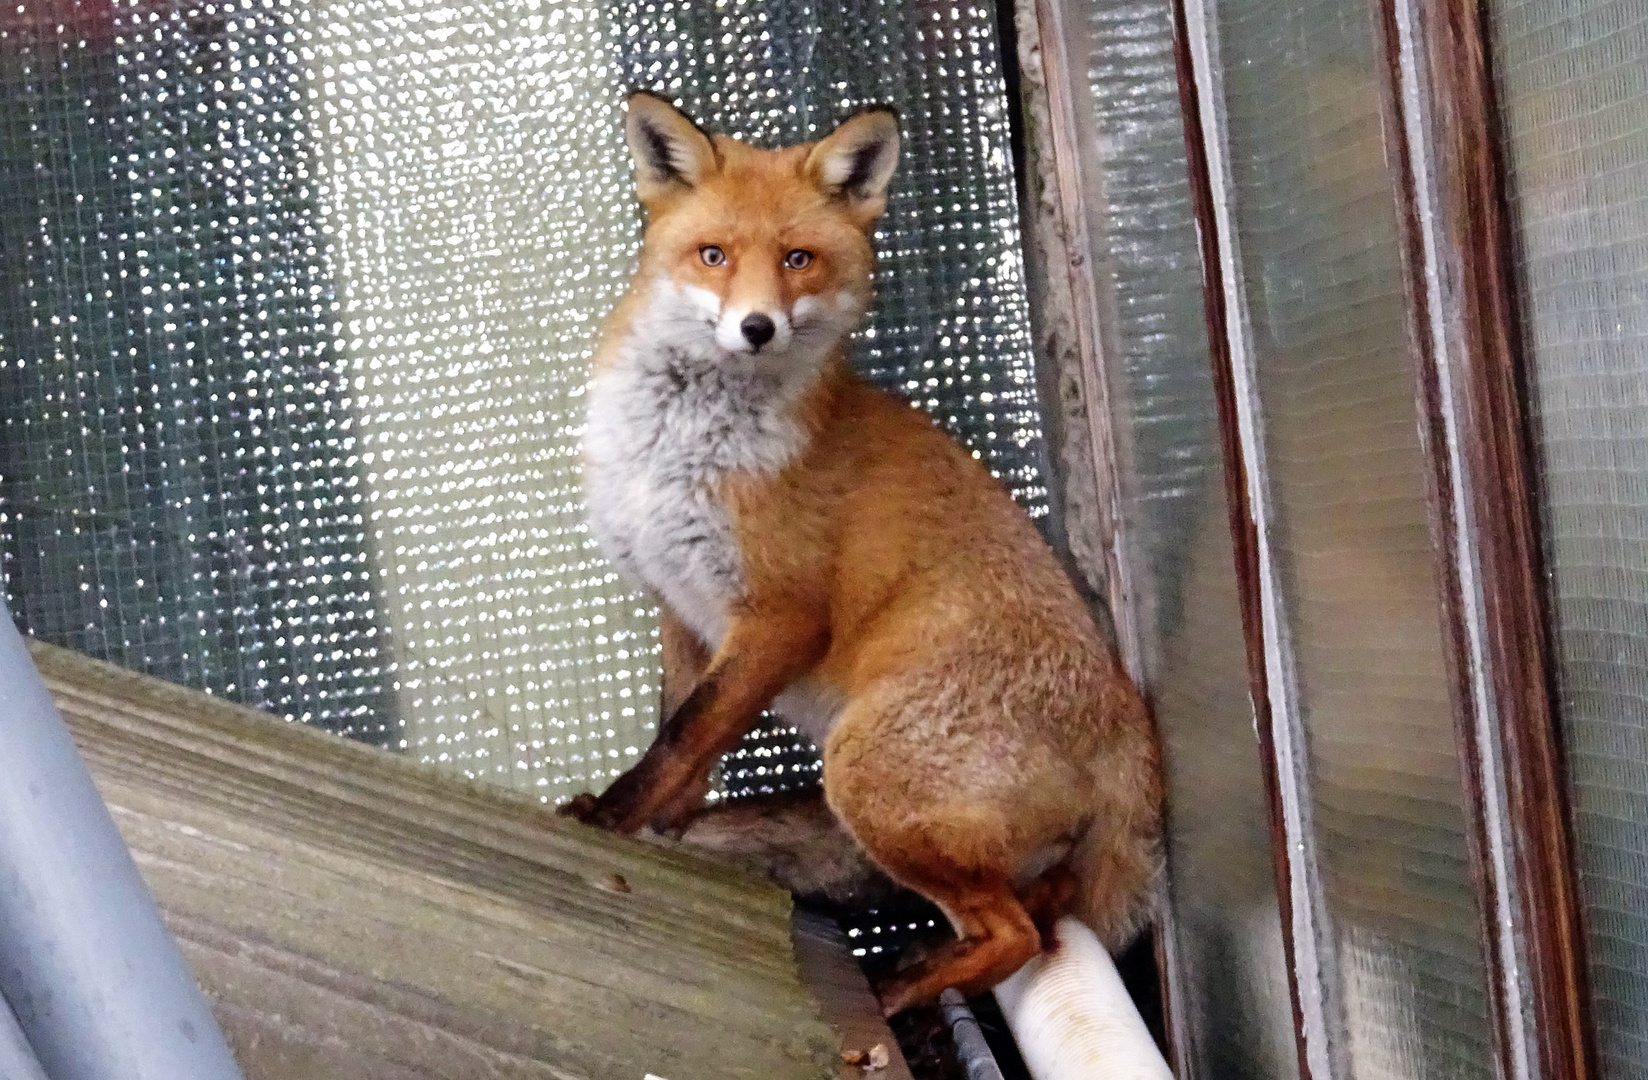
<point>759,657</point>
<point>634,796</point>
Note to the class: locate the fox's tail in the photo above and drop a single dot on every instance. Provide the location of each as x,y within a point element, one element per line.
<point>1118,870</point>
<point>796,841</point>
<point>1110,880</point>
<point>1118,863</point>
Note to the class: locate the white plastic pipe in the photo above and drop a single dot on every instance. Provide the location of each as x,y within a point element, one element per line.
<point>96,982</point>
<point>1072,1017</point>
<point>17,1060</point>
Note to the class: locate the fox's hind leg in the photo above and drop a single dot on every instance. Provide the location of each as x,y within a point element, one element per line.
<point>1049,898</point>
<point>953,853</point>
<point>995,937</point>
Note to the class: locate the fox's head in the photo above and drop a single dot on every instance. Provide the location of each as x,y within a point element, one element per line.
<point>761,254</point>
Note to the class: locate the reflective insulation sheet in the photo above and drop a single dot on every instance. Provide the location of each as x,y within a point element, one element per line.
<point>1573,90</point>
<point>299,297</point>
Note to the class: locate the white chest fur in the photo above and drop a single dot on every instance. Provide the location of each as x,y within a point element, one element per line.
<point>669,419</point>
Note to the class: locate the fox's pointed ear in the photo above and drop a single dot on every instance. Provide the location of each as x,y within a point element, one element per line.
<point>855,162</point>
<point>670,151</point>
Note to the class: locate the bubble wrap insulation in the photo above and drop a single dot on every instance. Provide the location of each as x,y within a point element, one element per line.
<point>299,297</point>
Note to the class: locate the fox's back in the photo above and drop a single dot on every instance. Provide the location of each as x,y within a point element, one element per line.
<point>913,519</point>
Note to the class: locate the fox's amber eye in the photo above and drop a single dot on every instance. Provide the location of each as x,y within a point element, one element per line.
<point>798,259</point>
<point>712,255</point>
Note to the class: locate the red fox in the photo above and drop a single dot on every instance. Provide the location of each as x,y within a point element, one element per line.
<point>820,547</point>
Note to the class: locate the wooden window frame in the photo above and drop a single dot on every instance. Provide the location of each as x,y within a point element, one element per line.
<point>1442,140</point>
<point>1442,124</point>
<point>1293,863</point>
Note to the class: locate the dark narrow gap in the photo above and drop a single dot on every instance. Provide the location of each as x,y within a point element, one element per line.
<point>1143,978</point>
<point>886,934</point>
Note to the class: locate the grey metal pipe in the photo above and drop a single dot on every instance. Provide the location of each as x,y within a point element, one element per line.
<point>972,1049</point>
<point>97,983</point>
<point>17,1060</point>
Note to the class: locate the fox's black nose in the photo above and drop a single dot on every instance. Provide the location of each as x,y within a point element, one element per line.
<point>758,329</point>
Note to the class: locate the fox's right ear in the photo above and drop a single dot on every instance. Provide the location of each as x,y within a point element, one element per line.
<point>670,151</point>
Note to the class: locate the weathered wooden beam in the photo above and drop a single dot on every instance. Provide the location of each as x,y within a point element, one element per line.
<point>352,913</point>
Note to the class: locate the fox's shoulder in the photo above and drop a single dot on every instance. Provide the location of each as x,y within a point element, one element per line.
<point>880,429</point>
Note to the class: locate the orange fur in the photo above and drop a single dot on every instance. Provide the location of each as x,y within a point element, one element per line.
<point>984,743</point>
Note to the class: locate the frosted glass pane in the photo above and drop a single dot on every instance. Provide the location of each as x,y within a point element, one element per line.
<point>1315,216</point>
<point>1234,988</point>
<point>1573,85</point>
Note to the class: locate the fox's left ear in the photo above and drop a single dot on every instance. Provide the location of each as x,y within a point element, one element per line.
<point>855,162</point>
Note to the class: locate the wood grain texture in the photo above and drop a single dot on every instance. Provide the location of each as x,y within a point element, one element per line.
<point>1464,299</point>
<point>825,958</point>
<point>352,914</point>
<point>1068,307</point>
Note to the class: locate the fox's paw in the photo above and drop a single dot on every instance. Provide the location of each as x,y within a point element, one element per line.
<point>602,812</point>
<point>676,817</point>
<point>585,808</point>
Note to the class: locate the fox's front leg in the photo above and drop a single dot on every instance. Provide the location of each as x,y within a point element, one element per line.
<point>761,654</point>
<point>684,659</point>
